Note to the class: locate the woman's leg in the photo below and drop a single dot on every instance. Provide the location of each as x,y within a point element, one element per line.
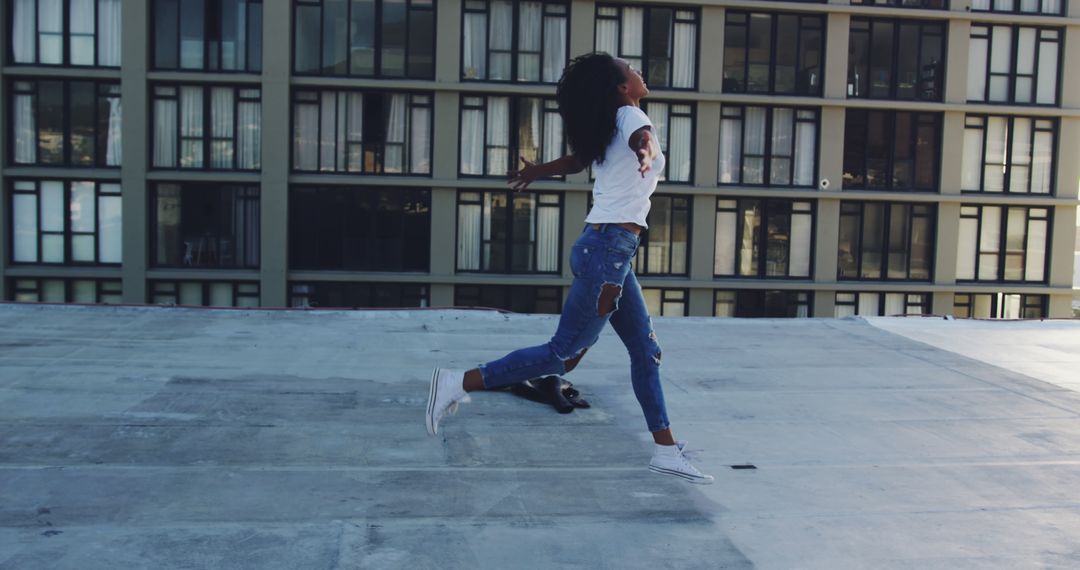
<point>634,327</point>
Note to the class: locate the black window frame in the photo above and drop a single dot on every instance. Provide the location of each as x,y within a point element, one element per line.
<point>508,243</point>
<point>152,292</point>
<point>515,52</point>
<point>884,235</point>
<point>666,144</point>
<point>300,293</point>
<point>101,88</point>
<point>853,148</point>
<point>791,299</point>
<point>408,201</point>
<point>645,51</point>
<point>773,49</point>
<point>908,4</point>
<point>538,293</point>
<point>1012,74</point>
<point>548,111</point>
<point>924,27</point>
<point>1016,9</point>
<point>641,259</point>
<point>68,233</point>
<point>669,295</point>
<point>1002,251</point>
<point>1009,140</point>
<point>245,192</point>
<point>923,306</point>
<point>207,124</point>
<point>1028,302</point>
<point>211,23</point>
<point>66,41</point>
<point>768,154</point>
<point>762,236</point>
<point>101,289</point>
<point>378,40</point>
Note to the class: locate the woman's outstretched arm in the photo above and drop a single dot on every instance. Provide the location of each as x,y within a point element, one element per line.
<point>520,179</point>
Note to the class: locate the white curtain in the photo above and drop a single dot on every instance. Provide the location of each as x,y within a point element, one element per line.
<point>724,257</point>
<point>869,304</point>
<point>681,134</point>
<point>109,224</point>
<point>221,127</point>
<point>23,42</point>
<point>113,154</point>
<point>747,255</point>
<point>730,150</point>
<point>976,72</point>
<point>633,27</point>
<point>249,139</point>
<point>607,36</point>
<point>498,134</point>
<point>754,144</point>
<point>108,33</point>
<point>474,64</point>
<point>528,128</point>
<point>472,141</point>
<point>529,21</point>
<point>554,48</point>
<point>553,137</point>
<point>25,216</point>
<point>83,216</point>
<point>306,136</point>
<point>395,133</point>
<point>805,153</point>
<point>165,133</point>
<point>191,127</point>
<point>1046,92</point>
<point>468,246</point>
<point>685,57</point>
<point>327,131</point>
<point>81,33</point>
<point>547,238</point>
<point>1020,155</point>
<point>971,164</point>
<point>967,247</point>
<point>50,31</point>
<point>1042,161</point>
<point>1000,62</point>
<point>1035,258</point>
<point>246,224</point>
<point>799,254</point>
<point>783,139</point>
<point>354,135</point>
<point>420,141</point>
<point>500,30</point>
<point>25,130</point>
<point>1025,65</point>
<point>989,243</point>
<point>53,209</point>
<point>997,132</point>
<point>980,4</point>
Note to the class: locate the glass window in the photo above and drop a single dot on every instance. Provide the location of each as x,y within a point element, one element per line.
<point>367,132</point>
<point>661,41</point>
<point>40,28</point>
<point>925,4</point>
<point>64,290</point>
<point>773,53</point>
<point>768,146</point>
<point>665,246</point>
<point>496,130</point>
<point>674,125</point>
<point>763,238</point>
<point>896,59</point>
<point>207,128</point>
<point>999,306</point>
<point>359,228</point>
<point>873,304</point>
<point>507,232</point>
<point>204,225</point>
<point>58,122</point>
<point>1014,64</point>
<point>351,294</point>
<point>204,293</point>
<point>210,35</point>
<point>1052,7</point>
<point>746,303</point>
<point>1003,243</point>
<point>66,222</point>
<point>666,302</point>
<point>1008,154</point>
<point>514,41</point>
<point>513,298</point>
<point>886,241</point>
<point>369,38</point>
<point>891,150</point>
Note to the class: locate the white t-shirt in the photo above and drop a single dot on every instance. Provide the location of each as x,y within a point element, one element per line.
<point>620,193</point>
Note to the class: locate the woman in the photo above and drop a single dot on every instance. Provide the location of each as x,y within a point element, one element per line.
<point>599,100</point>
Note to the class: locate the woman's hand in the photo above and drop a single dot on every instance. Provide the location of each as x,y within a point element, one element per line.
<point>644,149</point>
<point>520,179</point>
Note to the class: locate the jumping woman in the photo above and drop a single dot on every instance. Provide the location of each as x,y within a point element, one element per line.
<point>599,100</point>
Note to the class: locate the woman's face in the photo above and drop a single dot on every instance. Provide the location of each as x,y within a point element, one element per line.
<point>633,84</point>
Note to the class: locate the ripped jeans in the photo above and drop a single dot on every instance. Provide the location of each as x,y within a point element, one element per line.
<point>600,259</point>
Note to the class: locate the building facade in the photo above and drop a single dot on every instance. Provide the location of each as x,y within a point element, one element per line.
<point>824,158</point>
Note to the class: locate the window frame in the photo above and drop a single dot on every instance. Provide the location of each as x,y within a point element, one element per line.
<point>890,130</point>
<point>773,49</point>
<point>510,195</point>
<point>1028,302</point>
<point>885,234</point>
<point>768,154</point>
<point>537,293</point>
<point>210,22</point>
<point>548,111</point>
<point>1010,148</point>
<point>1002,251</point>
<point>371,290</point>
<point>410,105</point>
<point>899,4</point>
<point>641,258</point>
<point>763,238</point>
<point>646,27</point>
<point>1012,75</point>
<point>1016,9</point>
<point>245,191</point>
<point>897,48</point>
<point>152,292</point>
<point>377,41</point>
<point>68,234</point>
<point>207,124</point>
<point>65,34</point>
<point>101,289</point>
<point>515,52</point>
<point>924,306</point>
<point>101,88</point>
<point>666,144</point>
<point>665,300</point>
<point>792,300</point>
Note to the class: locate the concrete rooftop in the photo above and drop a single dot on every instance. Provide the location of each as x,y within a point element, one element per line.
<point>259,439</point>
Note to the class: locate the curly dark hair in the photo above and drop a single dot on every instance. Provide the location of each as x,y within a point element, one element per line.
<point>588,100</point>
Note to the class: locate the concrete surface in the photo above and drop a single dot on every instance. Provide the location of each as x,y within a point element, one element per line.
<point>184,438</point>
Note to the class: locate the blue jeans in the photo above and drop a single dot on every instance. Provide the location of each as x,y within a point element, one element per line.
<point>600,257</point>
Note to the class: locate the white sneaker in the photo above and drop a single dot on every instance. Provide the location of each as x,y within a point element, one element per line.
<point>446,392</point>
<point>669,460</point>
